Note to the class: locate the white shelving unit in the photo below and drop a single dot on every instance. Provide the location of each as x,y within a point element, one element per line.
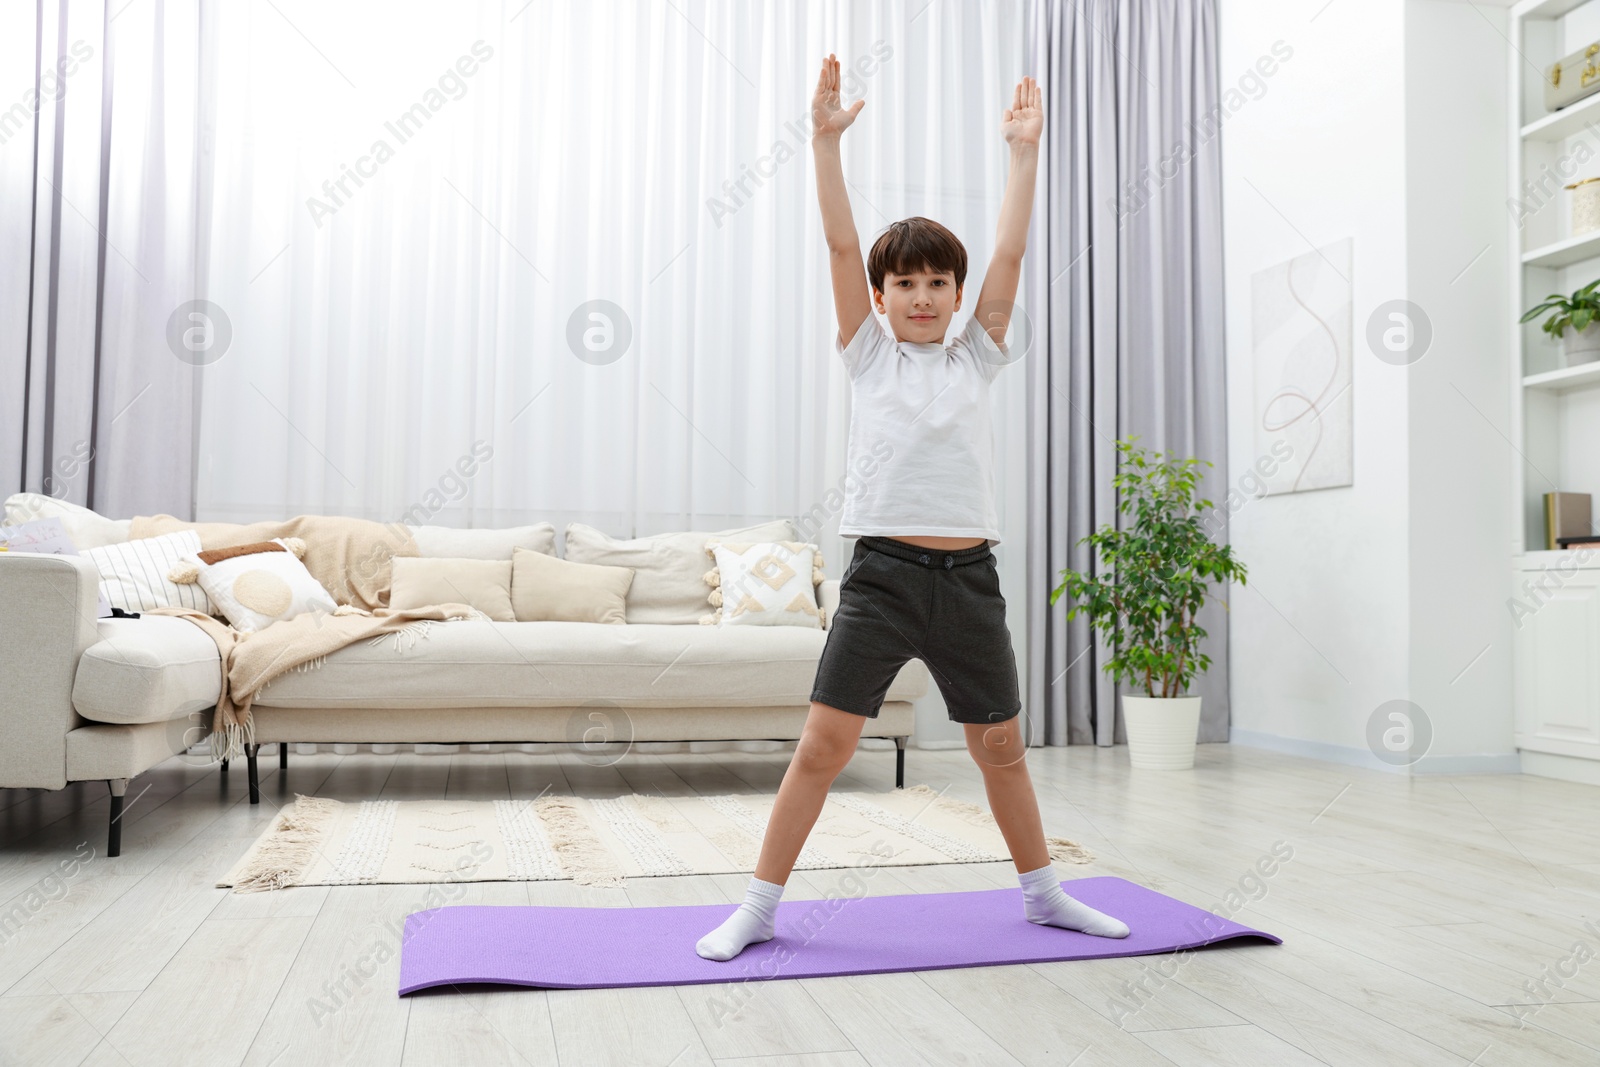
<point>1559,381</point>
<point>1565,253</point>
<point>1548,9</point>
<point>1555,416</point>
<point>1564,123</point>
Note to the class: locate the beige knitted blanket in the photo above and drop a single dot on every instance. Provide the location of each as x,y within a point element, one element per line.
<point>251,660</point>
<point>350,557</point>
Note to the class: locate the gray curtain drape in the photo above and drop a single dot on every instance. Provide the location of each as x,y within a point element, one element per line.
<point>1124,273</point>
<point>103,176</point>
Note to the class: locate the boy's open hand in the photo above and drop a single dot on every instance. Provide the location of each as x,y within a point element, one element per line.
<point>828,118</point>
<point>1024,120</point>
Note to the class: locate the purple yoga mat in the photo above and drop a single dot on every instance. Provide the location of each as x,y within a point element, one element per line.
<point>581,948</point>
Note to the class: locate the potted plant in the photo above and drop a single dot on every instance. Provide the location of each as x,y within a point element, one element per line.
<point>1580,310</point>
<point>1157,566</point>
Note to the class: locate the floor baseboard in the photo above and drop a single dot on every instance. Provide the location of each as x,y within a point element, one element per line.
<point>1486,763</point>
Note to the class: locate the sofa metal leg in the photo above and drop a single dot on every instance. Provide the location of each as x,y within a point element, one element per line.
<point>119,788</point>
<point>283,755</point>
<point>254,772</point>
<point>899,763</point>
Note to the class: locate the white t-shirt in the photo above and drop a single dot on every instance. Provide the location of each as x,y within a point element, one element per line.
<point>920,459</point>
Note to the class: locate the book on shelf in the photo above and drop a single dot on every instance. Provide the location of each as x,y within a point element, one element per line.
<point>1566,515</point>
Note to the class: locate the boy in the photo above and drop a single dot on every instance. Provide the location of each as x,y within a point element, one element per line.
<point>922,581</point>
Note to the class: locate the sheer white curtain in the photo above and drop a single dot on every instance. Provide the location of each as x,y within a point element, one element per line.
<point>416,343</point>
<point>101,233</point>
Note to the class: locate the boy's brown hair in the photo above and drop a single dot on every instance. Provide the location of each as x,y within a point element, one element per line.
<point>916,244</point>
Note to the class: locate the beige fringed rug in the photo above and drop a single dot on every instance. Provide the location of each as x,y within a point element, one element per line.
<point>605,841</point>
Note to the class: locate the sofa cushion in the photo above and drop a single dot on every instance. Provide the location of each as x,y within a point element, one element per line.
<point>550,589</point>
<point>134,574</point>
<point>669,586</point>
<point>474,663</point>
<point>253,586</point>
<point>447,542</point>
<point>151,669</point>
<point>484,584</point>
<point>764,583</point>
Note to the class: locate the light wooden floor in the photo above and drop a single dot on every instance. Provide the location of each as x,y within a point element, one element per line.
<point>1413,912</point>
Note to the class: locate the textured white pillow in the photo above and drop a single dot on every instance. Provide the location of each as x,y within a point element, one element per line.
<point>88,529</point>
<point>765,583</point>
<point>133,575</point>
<point>255,590</point>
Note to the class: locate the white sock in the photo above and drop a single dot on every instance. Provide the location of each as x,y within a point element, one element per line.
<point>1044,902</point>
<point>750,923</point>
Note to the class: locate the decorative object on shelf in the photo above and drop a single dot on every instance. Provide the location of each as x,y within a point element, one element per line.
<point>1585,205</point>
<point>1583,346</point>
<point>1578,311</point>
<point>1300,318</point>
<point>1566,517</point>
<point>1154,577</point>
<point>1572,78</point>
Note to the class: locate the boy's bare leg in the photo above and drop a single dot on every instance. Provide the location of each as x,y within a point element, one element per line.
<point>827,741</point>
<point>1001,754</point>
<point>1000,751</point>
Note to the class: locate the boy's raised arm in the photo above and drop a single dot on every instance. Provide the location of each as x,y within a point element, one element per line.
<point>851,302</point>
<point>1022,126</point>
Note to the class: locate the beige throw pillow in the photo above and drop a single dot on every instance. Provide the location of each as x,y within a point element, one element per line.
<point>484,584</point>
<point>668,586</point>
<point>547,589</point>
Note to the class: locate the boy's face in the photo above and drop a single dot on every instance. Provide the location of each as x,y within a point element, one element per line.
<point>919,305</point>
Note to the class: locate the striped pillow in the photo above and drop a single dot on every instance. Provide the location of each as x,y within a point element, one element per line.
<point>133,575</point>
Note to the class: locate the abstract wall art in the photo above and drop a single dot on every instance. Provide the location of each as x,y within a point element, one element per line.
<point>1301,348</point>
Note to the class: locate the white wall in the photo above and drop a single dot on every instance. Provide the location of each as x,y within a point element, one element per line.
<point>1320,633</point>
<point>1457,170</point>
<point>1351,601</point>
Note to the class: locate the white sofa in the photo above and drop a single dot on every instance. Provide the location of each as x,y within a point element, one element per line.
<point>106,699</point>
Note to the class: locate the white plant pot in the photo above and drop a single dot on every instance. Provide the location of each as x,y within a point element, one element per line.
<point>1161,731</point>
<point>1581,346</point>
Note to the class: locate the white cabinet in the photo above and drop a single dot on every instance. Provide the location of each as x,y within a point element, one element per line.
<point>1557,634</point>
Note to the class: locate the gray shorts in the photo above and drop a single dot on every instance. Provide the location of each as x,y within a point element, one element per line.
<point>897,601</point>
